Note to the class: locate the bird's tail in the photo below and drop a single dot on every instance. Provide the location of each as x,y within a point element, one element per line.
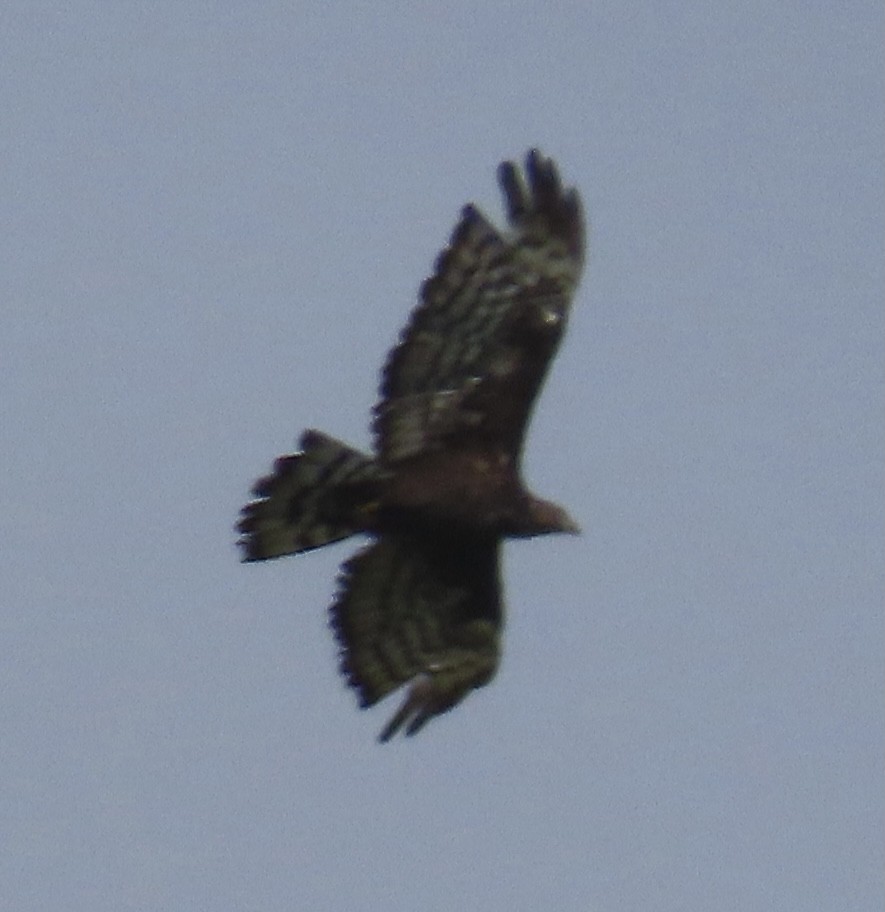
<point>320,495</point>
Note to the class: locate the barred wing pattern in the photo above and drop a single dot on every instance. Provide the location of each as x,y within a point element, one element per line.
<point>474,355</point>
<point>420,609</point>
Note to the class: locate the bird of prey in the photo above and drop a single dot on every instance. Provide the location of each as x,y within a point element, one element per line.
<point>420,604</point>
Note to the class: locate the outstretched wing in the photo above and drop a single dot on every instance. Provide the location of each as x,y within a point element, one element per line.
<point>474,355</point>
<point>427,612</point>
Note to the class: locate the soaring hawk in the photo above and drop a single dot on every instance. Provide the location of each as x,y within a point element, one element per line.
<point>421,602</point>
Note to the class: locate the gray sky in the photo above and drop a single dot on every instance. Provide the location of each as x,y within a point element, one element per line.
<point>215,217</point>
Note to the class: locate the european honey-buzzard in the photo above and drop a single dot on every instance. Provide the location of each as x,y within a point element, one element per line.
<point>421,602</point>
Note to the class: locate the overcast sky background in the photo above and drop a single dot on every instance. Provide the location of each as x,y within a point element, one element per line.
<point>214,220</point>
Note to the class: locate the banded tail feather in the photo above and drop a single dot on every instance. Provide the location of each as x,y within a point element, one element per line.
<point>316,496</point>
